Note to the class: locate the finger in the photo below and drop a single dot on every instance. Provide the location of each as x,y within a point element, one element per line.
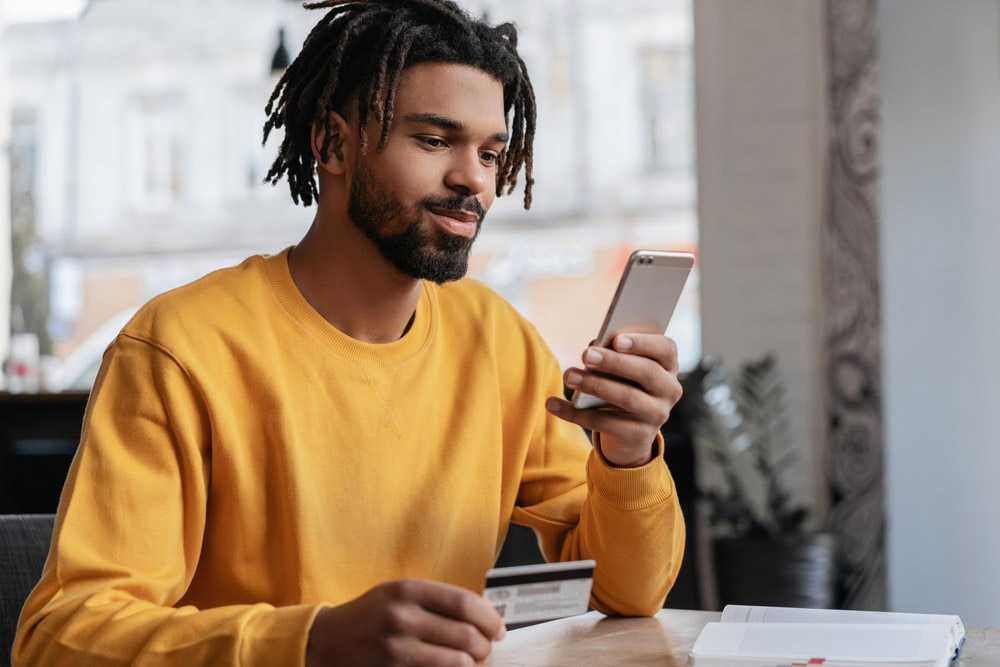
<point>616,424</point>
<point>444,631</point>
<point>633,400</point>
<point>457,603</point>
<point>412,651</point>
<point>653,346</point>
<point>646,372</point>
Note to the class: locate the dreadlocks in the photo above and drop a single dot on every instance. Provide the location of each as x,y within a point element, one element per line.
<point>358,51</point>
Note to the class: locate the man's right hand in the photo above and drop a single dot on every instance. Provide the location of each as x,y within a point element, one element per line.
<point>406,622</point>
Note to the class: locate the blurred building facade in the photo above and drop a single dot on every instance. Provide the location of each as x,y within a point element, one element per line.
<point>5,231</point>
<point>137,165</point>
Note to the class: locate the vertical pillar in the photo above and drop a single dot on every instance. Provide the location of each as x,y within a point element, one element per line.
<point>760,115</point>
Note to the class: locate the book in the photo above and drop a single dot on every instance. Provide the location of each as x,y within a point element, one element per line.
<point>755,636</point>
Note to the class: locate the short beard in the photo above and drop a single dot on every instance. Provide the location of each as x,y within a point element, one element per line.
<point>427,254</point>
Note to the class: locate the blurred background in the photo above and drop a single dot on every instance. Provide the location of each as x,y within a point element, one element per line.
<point>833,164</point>
<point>136,160</point>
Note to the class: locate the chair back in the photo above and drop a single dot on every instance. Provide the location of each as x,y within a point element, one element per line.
<point>24,544</point>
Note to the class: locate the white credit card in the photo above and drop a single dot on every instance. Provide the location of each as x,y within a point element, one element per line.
<point>529,593</point>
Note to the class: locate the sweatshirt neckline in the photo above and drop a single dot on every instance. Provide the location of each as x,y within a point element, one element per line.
<point>351,350</point>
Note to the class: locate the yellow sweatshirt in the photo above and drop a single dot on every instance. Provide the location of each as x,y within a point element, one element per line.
<point>244,463</point>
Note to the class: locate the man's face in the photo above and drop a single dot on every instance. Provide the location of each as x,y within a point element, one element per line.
<point>422,199</point>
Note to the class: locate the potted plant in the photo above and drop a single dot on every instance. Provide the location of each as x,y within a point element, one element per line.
<point>762,552</point>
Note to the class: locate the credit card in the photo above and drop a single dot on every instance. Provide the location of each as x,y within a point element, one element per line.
<point>530,593</point>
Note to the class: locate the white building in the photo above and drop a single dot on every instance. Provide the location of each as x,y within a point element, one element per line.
<point>145,119</point>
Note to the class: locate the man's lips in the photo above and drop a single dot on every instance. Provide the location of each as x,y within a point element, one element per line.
<point>459,223</point>
<point>461,216</point>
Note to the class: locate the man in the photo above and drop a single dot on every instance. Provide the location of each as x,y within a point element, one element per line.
<point>313,458</point>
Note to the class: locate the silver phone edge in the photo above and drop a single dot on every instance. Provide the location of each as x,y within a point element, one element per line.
<point>584,401</point>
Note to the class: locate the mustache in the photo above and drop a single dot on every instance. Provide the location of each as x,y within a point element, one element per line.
<point>456,203</point>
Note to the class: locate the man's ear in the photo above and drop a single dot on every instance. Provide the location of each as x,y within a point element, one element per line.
<point>335,160</point>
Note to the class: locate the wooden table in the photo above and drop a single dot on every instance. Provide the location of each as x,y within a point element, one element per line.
<point>592,639</point>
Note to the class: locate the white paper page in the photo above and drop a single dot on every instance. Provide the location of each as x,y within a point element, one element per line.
<point>760,614</point>
<point>836,643</point>
<point>734,613</point>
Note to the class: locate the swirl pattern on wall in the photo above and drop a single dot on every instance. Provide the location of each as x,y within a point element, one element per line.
<point>854,461</point>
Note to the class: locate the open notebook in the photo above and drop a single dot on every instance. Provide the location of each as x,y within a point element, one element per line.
<point>786,637</point>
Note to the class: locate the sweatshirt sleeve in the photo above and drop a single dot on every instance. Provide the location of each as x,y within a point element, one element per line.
<point>128,535</point>
<point>627,519</point>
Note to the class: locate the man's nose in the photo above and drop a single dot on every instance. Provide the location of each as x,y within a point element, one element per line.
<point>467,174</point>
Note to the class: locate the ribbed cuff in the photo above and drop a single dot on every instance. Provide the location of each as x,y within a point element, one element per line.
<point>630,488</point>
<point>278,636</point>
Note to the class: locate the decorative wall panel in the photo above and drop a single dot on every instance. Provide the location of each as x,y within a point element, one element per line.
<point>852,330</point>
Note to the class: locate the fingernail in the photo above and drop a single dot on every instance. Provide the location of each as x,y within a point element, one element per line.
<point>573,378</point>
<point>502,633</point>
<point>624,342</point>
<point>553,405</point>
<point>593,356</point>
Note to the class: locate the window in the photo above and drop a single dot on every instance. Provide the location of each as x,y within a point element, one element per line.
<point>247,160</point>
<point>155,150</point>
<point>667,87</point>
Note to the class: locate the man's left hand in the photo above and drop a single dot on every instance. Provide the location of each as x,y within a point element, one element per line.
<point>634,415</point>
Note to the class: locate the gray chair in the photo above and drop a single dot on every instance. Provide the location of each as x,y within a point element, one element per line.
<point>24,544</point>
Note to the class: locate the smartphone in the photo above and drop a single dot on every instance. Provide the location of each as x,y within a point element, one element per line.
<point>644,302</point>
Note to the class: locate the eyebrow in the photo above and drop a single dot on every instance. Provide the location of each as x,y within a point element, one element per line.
<point>449,124</point>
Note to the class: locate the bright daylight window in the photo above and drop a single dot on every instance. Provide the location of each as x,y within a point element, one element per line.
<point>133,145</point>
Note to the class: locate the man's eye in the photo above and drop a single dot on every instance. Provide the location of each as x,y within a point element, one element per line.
<point>432,142</point>
<point>490,158</point>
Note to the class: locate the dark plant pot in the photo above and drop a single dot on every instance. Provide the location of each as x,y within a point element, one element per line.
<point>798,572</point>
